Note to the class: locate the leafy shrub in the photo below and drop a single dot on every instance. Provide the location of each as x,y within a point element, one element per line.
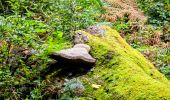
<point>157,11</point>
<point>122,26</point>
<point>158,15</point>
<point>165,70</point>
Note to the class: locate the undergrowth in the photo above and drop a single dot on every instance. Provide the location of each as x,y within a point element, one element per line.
<point>30,30</point>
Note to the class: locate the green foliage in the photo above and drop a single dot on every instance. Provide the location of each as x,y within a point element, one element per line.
<point>18,69</point>
<point>122,26</point>
<point>36,94</point>
<point>65,15</point>
<point>158,15</point>
<point>37,27</point>
<point>75,14</point>
<point>165,70</point>
<point>157,11</point>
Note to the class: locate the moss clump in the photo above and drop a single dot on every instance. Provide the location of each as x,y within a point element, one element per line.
<point>122,72</point>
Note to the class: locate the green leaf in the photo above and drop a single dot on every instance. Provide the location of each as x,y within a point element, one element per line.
<point>58,34</point>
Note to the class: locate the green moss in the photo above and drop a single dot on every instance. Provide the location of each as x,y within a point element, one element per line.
<point>125,74</point>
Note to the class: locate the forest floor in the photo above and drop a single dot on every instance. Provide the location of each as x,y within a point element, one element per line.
<point>31,30</point>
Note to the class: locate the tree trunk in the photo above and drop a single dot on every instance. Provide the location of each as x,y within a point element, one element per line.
<point>121,72</point>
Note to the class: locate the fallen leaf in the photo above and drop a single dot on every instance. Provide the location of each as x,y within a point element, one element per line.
<point>96,86</point>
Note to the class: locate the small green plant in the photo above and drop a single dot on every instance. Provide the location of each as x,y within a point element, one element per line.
<point>122,25</point>
<point>165,70</point>
<point>73,88</point>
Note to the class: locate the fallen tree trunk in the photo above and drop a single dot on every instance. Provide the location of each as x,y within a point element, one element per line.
<point>121,72</point>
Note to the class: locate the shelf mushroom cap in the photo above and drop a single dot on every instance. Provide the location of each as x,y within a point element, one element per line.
<point>79,54</point>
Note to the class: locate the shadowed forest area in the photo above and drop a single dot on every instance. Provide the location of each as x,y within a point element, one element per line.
<point>84,50</point>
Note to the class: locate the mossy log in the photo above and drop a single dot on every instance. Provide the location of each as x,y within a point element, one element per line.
<point>121,72</point>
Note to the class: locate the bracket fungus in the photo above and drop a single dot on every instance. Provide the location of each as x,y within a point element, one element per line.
<point>76,60</point>
<point>79,54</point>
